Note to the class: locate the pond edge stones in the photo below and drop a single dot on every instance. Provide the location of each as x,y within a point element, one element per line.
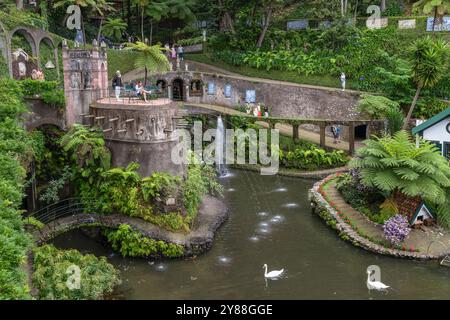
<point>324,210</point>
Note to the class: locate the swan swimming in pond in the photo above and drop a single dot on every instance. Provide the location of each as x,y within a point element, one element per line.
<point>272,274</point>
<point>375,285</point>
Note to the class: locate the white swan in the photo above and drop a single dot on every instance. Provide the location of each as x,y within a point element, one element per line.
<point>272,274</point>
<point>376,285</point>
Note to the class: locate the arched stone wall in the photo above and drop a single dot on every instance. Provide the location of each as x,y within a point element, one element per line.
<point>46,41</point>
<point>34,37</point>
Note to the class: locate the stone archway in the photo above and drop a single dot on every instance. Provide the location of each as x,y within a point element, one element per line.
<point>23,53</point>
<point>178,90</point>
<point>48,58</point>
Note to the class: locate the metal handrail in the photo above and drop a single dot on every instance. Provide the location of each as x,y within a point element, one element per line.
<point>66,207</point>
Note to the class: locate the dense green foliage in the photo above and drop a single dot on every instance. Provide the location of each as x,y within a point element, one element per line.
<point>52,272</point>
<point>395,163</point>
<point>17,148</point>
<point>122,190</point>
<point>293,154</point>
<point>122,60</point>
<point>50,91</point>
<point>367,203</point>
<point>132,243</point>
<point>379,107</point>
<point>312,158</point>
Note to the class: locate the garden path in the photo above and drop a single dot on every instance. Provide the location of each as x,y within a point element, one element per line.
<point>418,238</point>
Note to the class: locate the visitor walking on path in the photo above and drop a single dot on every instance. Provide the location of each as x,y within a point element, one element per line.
<point>117,84</point>
<point>334,132</point>
<point>338,134</point>
<point>343,81</point>
<point>181,53</point>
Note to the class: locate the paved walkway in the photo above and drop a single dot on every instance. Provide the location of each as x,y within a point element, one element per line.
<point>417,238</point>
<point>203,67</point>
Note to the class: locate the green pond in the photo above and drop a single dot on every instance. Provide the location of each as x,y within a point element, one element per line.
<point>270,222</point>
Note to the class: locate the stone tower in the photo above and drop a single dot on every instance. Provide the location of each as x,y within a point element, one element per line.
<point>85,79</point>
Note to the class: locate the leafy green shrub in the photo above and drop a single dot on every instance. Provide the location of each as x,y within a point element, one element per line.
<point>132,243</point>
<point>395,118</point>
<point>11,99</point>
<point>51,265</point>
<point>190,41</point>
<point>17,148</point>
<point>366,203</point>
<point>49,91</point>
<point>312,158</point>
<point>429,107</point>
<point>392,164</point>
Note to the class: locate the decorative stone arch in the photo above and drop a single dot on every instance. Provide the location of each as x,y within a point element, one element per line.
<point>29,37</point>
<point>162,85</point>
<point>178,89</point>
<point>46,121</point>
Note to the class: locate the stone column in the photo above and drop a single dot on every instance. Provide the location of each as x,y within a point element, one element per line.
<point>322,135</point>
<point>295,132</point>
<point>351,138</point>
<point>169,91</point>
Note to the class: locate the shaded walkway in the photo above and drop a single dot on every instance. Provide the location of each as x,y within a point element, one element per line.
<point>287,129</point>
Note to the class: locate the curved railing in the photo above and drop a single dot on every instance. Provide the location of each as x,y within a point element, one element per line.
<point>63,208</point>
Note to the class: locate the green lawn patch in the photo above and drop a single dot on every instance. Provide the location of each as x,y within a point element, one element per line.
<point>290,76</point>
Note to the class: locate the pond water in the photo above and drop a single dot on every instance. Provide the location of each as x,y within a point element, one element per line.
<point>270,222</point>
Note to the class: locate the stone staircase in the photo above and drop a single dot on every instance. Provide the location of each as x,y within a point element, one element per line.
<point>182,123</point>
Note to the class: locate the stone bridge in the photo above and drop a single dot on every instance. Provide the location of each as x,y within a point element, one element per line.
<point>283,99</point>
<point>36,38</point>
<point>212,213</point>
<point>43,114</point>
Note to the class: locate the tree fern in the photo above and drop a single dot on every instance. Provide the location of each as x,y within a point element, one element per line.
<point>396,164</point>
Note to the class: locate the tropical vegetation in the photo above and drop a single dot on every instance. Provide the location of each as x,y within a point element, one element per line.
<point>397,168</point>
<point>55,273</point>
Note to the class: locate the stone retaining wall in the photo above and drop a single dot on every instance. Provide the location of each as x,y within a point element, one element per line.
<point>323,209</point>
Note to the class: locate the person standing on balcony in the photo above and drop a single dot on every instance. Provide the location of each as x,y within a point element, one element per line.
<point>117,84</point>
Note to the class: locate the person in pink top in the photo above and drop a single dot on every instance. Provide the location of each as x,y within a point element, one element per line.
<point>174,53</point>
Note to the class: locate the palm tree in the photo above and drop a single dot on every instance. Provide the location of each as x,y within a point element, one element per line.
<point>151,58</point>
<point>114,27</point>
<point>103,6</point>
<point>143,4</point>
<point>440,8</point>
<point>394,165</point>
<point>429,65</point>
